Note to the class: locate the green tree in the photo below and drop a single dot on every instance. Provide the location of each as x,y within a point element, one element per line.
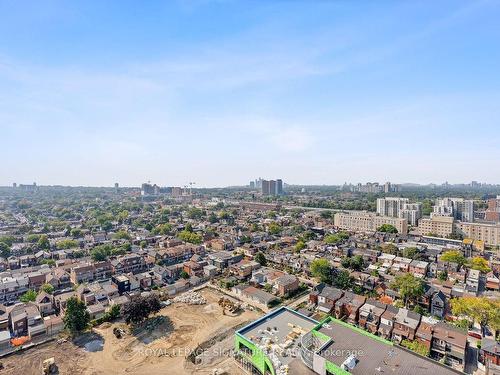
<point>76,233</point>
<point>416,347</point>
<point>43,242</point>
<point>479,264</point>
<point>163,229</point>
<point>29,296</point>
<point>261,258</point>
<point>47,288</point>
<point>454,256</point>
<point>274,229</point>
<point>300,246</point>
<point>321,269</point>
<point>184,274</point>
<point>481,310</point>
<point>410,288</point>
<point>140,308</point>
<point>390,248</point>
<point>101,252</point>
<point>121,235</point>
<point>76,317</point>
<point>410,252</point>
<point>343,280</point>
<point>443,275</point>
<point>190,237</point>
<point>4,250</point>
<point>387,228</point>
<point>66,244</point>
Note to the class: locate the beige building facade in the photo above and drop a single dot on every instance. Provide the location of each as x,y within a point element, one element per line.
<point>368,222</point>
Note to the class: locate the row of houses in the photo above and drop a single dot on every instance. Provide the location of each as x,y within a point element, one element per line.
<point>442,340</point>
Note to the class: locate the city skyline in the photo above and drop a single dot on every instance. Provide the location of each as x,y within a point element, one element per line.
<point>214,92</point>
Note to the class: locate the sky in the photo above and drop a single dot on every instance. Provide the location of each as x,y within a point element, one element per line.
<point>222,92</point>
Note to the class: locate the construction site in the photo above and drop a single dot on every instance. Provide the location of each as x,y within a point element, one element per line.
<point>193,333</point>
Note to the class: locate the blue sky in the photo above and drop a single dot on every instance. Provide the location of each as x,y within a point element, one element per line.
<point>220,92</point>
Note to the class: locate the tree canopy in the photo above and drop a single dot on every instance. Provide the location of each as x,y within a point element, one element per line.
<point>387,228</point>
<point>453,256</point>
<point>321,269</point>
<point>76,317</point>
<point>140,308</point>
<point>409,287</point>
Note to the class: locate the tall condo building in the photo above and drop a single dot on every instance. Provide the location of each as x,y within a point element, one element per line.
<point>458,208</point>
<point>400,208</point>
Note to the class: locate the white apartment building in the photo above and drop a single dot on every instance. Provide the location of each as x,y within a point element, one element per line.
<point>458,208</point>
<point>400,208</point>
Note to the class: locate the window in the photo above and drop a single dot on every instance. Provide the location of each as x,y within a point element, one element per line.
<point>245,349</point>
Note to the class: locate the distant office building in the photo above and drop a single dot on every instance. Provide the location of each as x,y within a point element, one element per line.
<point>401,208</point>
<point>391,206</point>
<point>176,191</point>
<point>252,184</point>
<point>372,187</point>
<point>14,185</point>
<point>272,187</point>
<point>368,222</point>
<point>279,187</point>
<point>458,208</point>
<point>411,212</point>
<point>29,188</point>
<point>117,187</point>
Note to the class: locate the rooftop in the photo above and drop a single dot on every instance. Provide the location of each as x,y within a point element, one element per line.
<point>282,329</point>
<point>373,354</point>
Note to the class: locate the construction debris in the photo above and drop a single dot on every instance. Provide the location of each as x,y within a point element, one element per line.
<point>49,366</point>
<point>191,298</point>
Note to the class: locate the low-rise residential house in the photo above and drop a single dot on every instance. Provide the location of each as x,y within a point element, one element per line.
<point>103,270</point>
<point>472,282</point>
<point>96,311</point>
<point>419,268</point>
<point>210,271</point>
<point>54,324</point>
<point>386,260</point>
<point>492,282</point>
<point>348,307</point>
<point>36,280</point>
<point>193,268</point>
<point>434,301</point>
<point>401,264</point>
<point>387,319</point>
<point>44,303</point>
<point>325,297</point>
<point>286,285</point>
<point>244,268</point>
<point>175,254</point>
<point>223,259</point>
<point>11,288</point>
<point>370,314</point>
<point>251,293</point>
<point>405,325</point>
<point>122,283</point>
<point>425,331</point>
<point>127,263</point>
<point>489,355</point>
<point>449,343</point>
<point>25,320</point>
<point>83,273</point>
<point>59,279</point>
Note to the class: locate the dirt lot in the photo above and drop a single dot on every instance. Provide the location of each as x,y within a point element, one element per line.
<point>157,352</point>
